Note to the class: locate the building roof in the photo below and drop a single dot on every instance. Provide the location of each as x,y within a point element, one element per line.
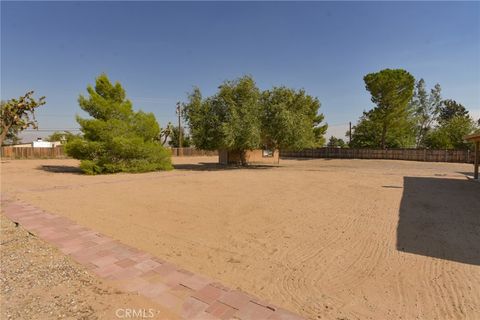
<point>472,137</point>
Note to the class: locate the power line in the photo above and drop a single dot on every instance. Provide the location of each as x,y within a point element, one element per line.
<point>50,130</point>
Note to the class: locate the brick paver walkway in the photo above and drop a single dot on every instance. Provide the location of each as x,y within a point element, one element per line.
<point>189,295</point>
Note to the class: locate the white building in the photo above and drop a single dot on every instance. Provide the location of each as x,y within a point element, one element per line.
<point>45,144</point>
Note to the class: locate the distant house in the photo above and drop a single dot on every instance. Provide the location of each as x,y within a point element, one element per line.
<point>258,156</point>
<point>21,145</point>
<point>45,144</point>
<point>39,143</point>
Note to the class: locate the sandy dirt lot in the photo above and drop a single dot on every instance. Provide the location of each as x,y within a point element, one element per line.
<point>329,239</point>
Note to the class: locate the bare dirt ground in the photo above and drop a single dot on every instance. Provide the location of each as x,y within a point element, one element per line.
<point>40,282</point>
<point>329,239</point>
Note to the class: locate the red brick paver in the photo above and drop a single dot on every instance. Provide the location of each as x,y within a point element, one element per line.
<point>189,295</point>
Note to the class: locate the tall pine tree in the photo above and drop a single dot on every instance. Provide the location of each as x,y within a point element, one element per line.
<point>390,123</point>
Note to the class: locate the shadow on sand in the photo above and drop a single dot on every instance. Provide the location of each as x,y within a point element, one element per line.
<point>308,158</point>
<point>440,218</point>
<point>210,166</point>
<point>468,174</point>
<point>202,166</point>
<point>60,169</point>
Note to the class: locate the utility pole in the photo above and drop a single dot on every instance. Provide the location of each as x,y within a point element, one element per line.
<point>179,113</point>
<point>350,133</point>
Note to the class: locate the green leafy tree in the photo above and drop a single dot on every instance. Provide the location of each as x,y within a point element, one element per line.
<point>335,142</point>
<point>228,120</point>
<point>173,142</point>
<point>116,138</point>
<point>449,134</point>
<point>391,91</point>
<point>205,122</point>
<point>367,133</point>
<point>319,128</point>
<point>425,108</point>
<point>63,136</point>
<point>17,115</point>
<point>237,105</point>
<point>239,117</point>
<point>449,109</point>
<point>290,119</point>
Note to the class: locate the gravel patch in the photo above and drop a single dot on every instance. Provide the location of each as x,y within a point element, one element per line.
<point>39,282</point>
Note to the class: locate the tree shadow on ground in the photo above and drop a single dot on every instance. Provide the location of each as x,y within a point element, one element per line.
<point>60,169</point>
<point>440,218</point>
<point>209,166</point>
<point>307,158</point>
<point>466,173</point>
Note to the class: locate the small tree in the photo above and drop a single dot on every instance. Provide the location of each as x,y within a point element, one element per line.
<point>173,142</point>
<point>17,115</point>
<point>449,134</point>
<point>63,137</point>
<point>205,123</point>
<point>165,133</point>
<point>425,108</point>
<point>367,133</point>
<point>449,109</point>
<point>453,123</point>
<point>12,134</point>
<point>335,142</point>
<point>116,139</point>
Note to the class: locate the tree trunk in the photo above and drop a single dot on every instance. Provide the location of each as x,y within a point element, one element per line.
<point>384,135</point>
<point>243,158</point>
<point>165,137</point>
<point>3,135</point>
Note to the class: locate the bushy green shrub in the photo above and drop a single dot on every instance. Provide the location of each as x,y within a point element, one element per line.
<point>116,139</point>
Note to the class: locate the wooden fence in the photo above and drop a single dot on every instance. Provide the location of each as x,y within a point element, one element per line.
<point>58,153</point>
<point>192,152</point>
<point>465,156</point>
<point>33,153</point>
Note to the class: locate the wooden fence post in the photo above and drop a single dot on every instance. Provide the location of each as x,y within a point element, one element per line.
<point>476,160</point>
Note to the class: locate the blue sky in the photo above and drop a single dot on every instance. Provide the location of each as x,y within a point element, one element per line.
<point>160,50</point>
